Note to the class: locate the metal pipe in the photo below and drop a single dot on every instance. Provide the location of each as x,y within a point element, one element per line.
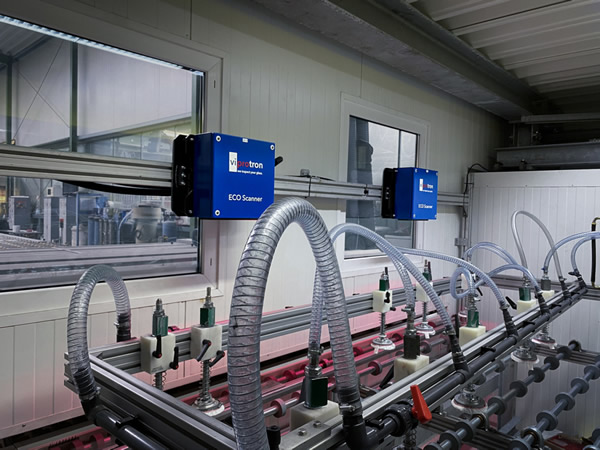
<point>9,108</point>
<point>128,434</point>
<point>547,420</point>
<point>73,99</point>
<point>438,391</point>
<point>389,424</point>
<point>497,405</point>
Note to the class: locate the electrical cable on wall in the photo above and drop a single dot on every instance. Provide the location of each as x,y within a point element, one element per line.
<point>593,275</point>
<point>467,184</point>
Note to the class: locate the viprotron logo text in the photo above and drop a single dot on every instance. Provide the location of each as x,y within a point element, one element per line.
<point>236,165</point>
<point>425,187</point>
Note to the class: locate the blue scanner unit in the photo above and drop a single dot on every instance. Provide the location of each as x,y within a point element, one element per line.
<point>217,176</point>
<point>409,193</point>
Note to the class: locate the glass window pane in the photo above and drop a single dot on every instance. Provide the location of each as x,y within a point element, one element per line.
<point>40,245</point>
<point>41,87</point>
<point>371,148</point>
<point>126,107</point>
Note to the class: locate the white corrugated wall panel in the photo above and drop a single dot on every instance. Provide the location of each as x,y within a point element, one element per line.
<point>566,201</point>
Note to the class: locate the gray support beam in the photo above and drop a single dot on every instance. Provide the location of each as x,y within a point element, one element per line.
<point>396,34</point>
<point>559,118</point>
<point>9,108</point>
<point>572,156</point>
<point>28,162</point>
<point>73,99</point>
<point>42,163</point>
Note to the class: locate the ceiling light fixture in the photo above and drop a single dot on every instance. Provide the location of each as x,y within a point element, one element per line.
<point>69,37</point>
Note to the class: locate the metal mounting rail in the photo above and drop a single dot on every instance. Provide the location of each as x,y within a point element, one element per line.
<point>514,283</point>
<point>583,357</point>
<point>16,161</point>
<point>125,356</point>
<point>181,425</point>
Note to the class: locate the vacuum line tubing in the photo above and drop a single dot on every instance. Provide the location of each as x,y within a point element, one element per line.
<point>469,290</point>
<point>314,338</point>
<point>519,244</point>
<point>552,252</point>
<point>526,273</point>
<point>576,248</point>
<point>243,360</point>
<point>494,248</point>
<point>465,430</point>
<point>460,262</point>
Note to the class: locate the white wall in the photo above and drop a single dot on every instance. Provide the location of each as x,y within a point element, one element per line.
<point>566,201</point>
<point>285,85</point>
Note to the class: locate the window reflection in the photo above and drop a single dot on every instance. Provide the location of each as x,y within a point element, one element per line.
<point>371,148</point>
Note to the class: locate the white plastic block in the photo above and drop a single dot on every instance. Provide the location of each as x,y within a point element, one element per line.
<point>421,295</point>
<point>151,364</point>
<point>301,415</point>
<point>548,294</point>
<point>379,304</point>
<point>213,334</point>
<point>525,305</point>
<point>405,367</point>
<point>467,334</point>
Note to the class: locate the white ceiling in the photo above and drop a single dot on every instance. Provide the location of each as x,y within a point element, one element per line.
<point>552,45</point>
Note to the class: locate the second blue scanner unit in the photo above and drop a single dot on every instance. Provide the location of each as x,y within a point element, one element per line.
<point>409,193</point>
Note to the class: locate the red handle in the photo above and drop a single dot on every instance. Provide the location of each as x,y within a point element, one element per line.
<point>420,409</point>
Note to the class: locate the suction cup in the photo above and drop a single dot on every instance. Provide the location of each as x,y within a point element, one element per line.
<point>468,405</point>
<point>544,339</point>
<point>209,406</point>
<point>524,355</point>
<point>215,412</point>
<point>382,343</point>
<point>467,400</point>
<point>425,330</point>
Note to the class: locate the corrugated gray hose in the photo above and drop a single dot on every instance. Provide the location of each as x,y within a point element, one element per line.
<point>77,342</point>
<point>243,344</point>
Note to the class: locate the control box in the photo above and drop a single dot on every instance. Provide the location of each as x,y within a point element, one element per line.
<point>409,193</point>
<point>217,176</point>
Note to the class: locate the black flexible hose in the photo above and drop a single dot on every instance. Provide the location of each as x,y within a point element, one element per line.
<point>115,188</point>
<point>593,275</point>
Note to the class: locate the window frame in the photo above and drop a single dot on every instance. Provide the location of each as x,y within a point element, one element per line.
<point>363,109</point>
<point>91,23</point>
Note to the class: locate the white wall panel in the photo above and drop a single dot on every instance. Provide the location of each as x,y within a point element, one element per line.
<point>566,201</point>
<point>285,85</point>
